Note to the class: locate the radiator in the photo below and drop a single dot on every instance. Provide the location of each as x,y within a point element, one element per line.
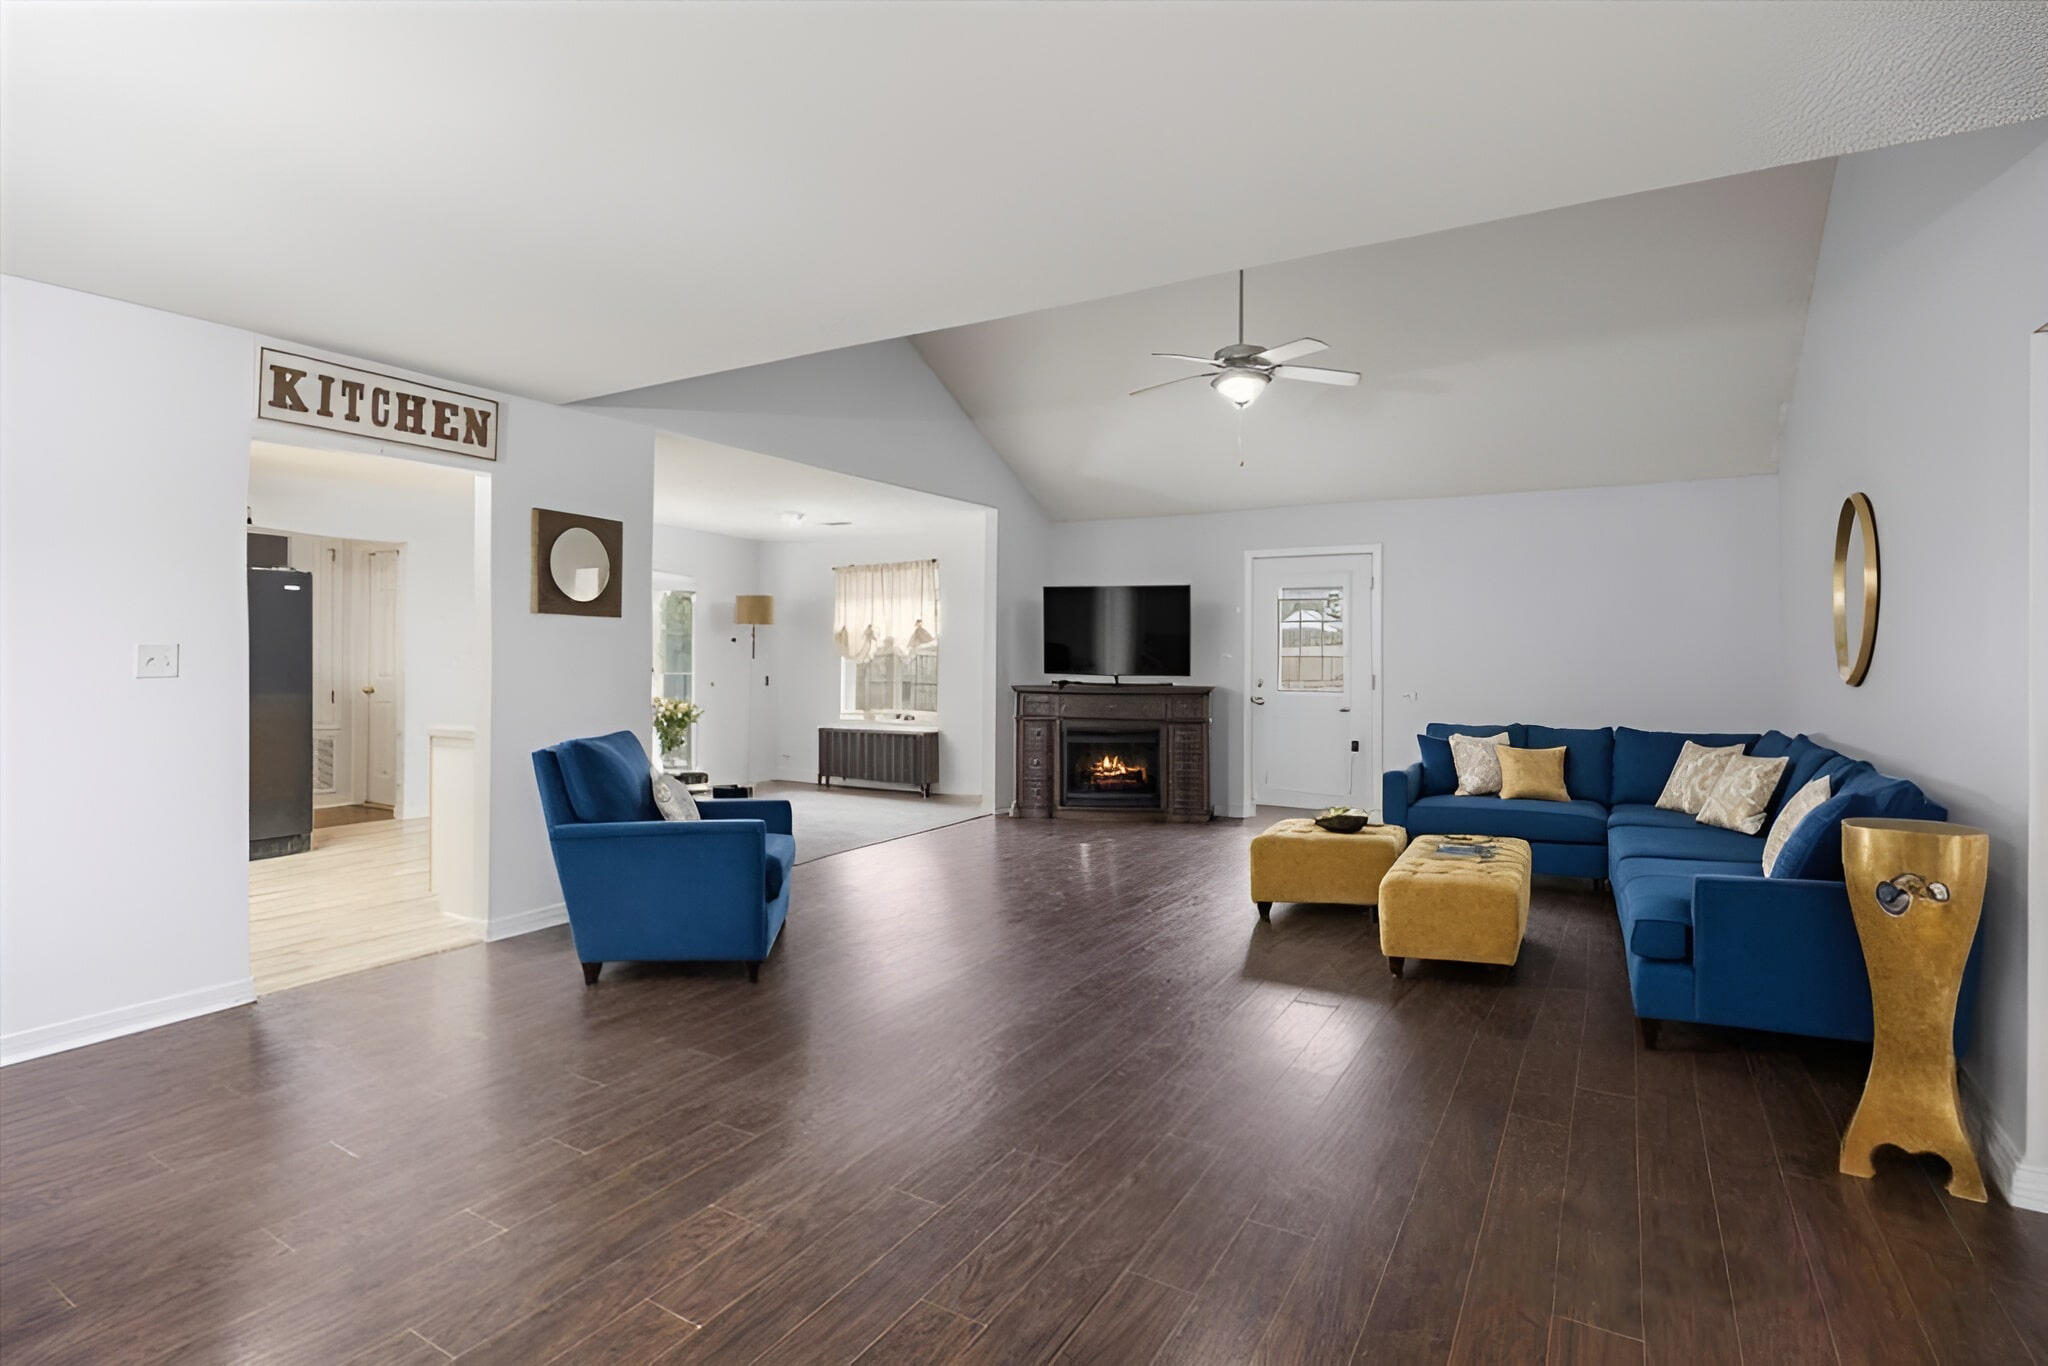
<point>879,755</point>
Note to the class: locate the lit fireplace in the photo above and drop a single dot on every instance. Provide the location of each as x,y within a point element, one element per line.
<point>1112,769</point>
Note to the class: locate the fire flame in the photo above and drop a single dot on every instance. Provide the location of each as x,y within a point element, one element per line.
<point>1113,766</point>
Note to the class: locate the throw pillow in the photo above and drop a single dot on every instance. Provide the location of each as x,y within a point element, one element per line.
<point>1742,797</point>
<point>673,799</point>
<point>1534,773</point>
<point>1802,805</point>
<point>1439,772</point>
<point>1478,760</point>
<point>1693,776</point>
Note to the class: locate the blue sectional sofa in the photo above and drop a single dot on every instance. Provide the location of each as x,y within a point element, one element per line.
<point>1710,939</point>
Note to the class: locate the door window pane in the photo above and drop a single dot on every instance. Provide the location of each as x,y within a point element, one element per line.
<point>674,650</point>
<point>1311,639</point>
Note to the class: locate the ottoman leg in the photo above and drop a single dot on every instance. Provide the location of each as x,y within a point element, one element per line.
<point>1394,966</point>
<point>1265,909</point>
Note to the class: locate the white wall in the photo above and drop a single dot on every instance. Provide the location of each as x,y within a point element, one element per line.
<point>441,636</point>
<point>124,470</point>
<point>1652,605</point>
<point>1912,388</point>
<point>879,412</point>
<point>720,568</point>
<point>806,688</point>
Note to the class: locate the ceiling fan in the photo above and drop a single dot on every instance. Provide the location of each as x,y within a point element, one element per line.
<point>1241,372</point>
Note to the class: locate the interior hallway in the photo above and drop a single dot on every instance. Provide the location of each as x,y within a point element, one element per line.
<point>358,899</point>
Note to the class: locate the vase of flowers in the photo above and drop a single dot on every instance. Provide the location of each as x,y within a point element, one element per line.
<point>673,718</point>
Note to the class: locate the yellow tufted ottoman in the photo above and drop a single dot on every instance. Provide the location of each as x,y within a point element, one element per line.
<point>1467,910</point>
<point>1297,860</point>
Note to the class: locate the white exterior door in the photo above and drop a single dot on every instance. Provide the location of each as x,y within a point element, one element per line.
<point>1312,696</point>
<point>383,678</point>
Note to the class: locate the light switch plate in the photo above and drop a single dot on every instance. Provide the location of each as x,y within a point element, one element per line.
<point>156,661</point>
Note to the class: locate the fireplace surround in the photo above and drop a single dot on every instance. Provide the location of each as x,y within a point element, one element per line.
<point>1100,751</point>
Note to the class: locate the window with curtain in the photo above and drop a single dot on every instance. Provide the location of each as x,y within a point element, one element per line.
<point>885,624</point>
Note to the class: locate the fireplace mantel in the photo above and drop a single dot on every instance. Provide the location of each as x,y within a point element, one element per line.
<point>1178,715</point>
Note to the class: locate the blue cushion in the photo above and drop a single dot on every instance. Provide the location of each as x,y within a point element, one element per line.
<point>1692,842</point>
<point>1637,813</point>
<point>608,778</point>
<point>1643,760</point>
<point>1439,771</point>
<point>1814,850</point>
<point>1628,871</point>
<point>1522,817</point>
<point>1588,758</point>
<point>1656,918</point>
<point>1807,758</point>
<point>1892,797</point>
<point>781,859</point>
<point>1772,744</point>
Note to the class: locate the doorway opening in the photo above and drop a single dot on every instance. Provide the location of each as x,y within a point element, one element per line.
<point>1312,684</point>
<point>368,642</point>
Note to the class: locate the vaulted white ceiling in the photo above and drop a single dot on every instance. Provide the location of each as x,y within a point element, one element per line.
<point>709,487</point>
<point>1651,337</point>
<point>575,199</point>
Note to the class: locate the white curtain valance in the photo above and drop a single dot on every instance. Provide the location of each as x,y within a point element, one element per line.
<point>885,609</point>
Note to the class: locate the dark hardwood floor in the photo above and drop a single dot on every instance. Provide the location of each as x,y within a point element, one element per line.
<point>1007,1092</point>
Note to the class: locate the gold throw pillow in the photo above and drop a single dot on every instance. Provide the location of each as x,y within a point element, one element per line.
<point>1693,777</point>
<point>1742,797</point>
<point>1534,773</point>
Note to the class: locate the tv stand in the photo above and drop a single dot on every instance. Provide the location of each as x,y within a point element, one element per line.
<point>1177,716</point>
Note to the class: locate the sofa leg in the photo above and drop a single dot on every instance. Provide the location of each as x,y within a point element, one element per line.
<point>1394,966</point>
<point>1647,1029</point>
<point>753,972</point>
<point>1265,909</point>
<point>590,971</point>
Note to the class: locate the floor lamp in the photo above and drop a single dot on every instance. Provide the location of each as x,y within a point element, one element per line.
<point>753,611</point>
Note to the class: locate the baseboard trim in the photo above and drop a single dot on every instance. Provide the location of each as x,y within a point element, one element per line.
<point>526,922</point>
<point>2024,1186</point>
<point>44,1040</point>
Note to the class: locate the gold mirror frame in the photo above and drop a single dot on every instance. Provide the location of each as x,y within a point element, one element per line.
<point>1855,513</point>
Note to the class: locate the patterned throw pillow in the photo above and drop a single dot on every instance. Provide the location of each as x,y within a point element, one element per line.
<point>1693,776</point>
<point>1478,760</point>
<point>1742,797</point>
<point>1537,774</point>
<point>1790,815</point>
<point>673,798</point>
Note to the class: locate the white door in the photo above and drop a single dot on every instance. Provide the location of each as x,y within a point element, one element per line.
<point>1312,732</point>
<point>383,678</point>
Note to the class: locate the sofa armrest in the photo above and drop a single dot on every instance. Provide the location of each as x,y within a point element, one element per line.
<point>773,813</point>
<point>1399,787</point>
<point>664,889</point>
<point>1779,954</point>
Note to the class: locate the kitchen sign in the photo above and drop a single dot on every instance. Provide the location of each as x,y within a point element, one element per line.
<point>341,398</point>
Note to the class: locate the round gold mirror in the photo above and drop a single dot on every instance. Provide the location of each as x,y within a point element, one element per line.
<point>1855,587</point>
<point>578,565</point>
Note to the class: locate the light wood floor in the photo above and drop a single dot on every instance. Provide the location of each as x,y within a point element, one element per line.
<point>357,900</point>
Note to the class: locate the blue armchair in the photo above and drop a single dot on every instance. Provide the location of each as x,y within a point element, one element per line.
<point>642,889</point>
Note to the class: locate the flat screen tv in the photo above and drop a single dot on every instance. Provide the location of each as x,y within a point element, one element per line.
<point>1117,632</point>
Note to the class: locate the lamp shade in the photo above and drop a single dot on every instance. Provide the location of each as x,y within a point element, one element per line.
<point>753,609</point>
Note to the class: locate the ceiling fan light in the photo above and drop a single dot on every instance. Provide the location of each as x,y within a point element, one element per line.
<point>1240,386</point>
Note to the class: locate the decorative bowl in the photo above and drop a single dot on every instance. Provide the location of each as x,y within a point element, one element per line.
<point>1339,820</point>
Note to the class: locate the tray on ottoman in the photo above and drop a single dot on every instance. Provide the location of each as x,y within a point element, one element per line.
<point>1296,860</point>
<point>1465,908</point>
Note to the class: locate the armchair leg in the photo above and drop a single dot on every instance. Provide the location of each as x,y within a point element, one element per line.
<point>1648,1030</point>
<point>590,971</point>
<point>754,972</point>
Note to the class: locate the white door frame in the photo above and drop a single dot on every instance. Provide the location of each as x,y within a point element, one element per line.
<point>1247,790</point>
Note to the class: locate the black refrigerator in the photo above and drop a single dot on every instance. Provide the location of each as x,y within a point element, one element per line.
<point>280,712</point>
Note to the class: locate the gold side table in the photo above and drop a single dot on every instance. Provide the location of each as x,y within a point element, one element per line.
<point>1917,889</point>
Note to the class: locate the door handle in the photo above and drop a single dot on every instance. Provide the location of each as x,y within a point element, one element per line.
<point>1343,709</point>
<point>369,688</point>
<point>1258,701</point>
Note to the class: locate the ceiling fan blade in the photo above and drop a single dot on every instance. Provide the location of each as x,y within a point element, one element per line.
<point>1315,374</point>
<point>1280,355</point>
<point>1163,383</point>
<point>1175,355</point>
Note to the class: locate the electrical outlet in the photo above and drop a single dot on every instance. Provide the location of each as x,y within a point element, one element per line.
<point>156,661</point>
